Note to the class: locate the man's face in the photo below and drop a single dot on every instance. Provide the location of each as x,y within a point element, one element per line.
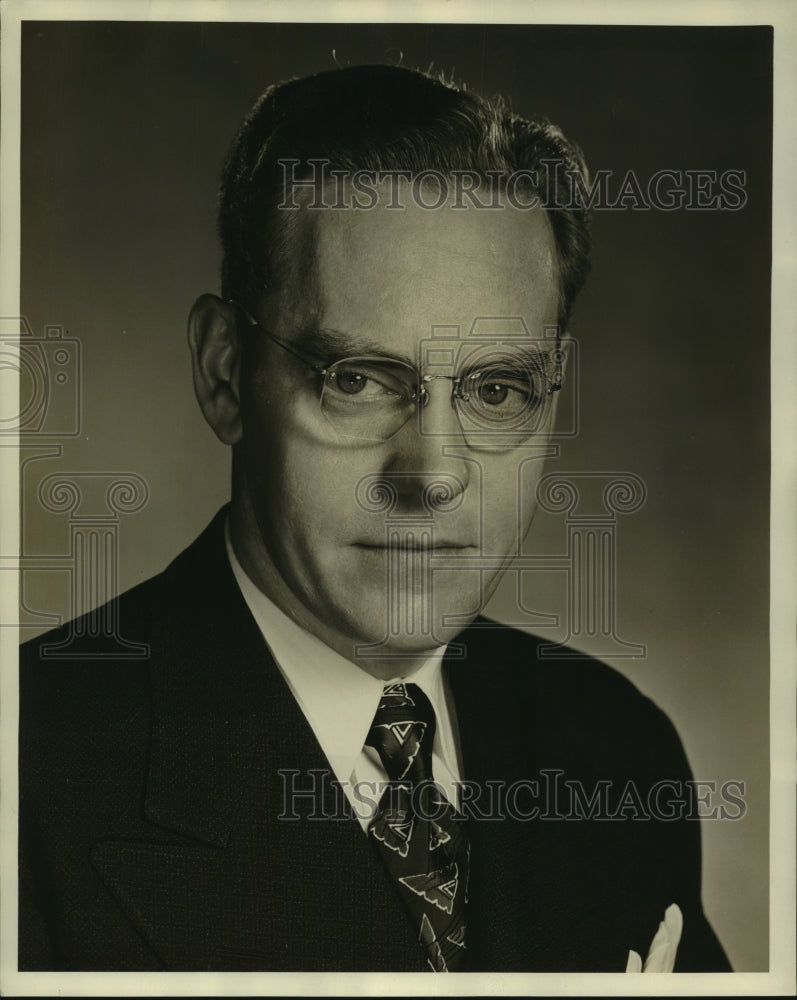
<point>317,538</point>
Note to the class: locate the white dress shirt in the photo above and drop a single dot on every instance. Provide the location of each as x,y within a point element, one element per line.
<point>339,701</point>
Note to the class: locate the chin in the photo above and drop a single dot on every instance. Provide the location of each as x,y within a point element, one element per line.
<point>411,623</point>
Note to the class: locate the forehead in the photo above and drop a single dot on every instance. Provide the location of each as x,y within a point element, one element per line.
<point>387,276</point>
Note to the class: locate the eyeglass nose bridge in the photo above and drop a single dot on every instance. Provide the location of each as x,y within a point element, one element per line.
<point>457,393</point>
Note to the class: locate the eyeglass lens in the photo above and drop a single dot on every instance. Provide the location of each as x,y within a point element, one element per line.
<point>499,402</point>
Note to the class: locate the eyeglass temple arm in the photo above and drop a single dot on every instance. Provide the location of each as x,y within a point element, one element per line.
<point>554,384</point>
<point>280,343</point>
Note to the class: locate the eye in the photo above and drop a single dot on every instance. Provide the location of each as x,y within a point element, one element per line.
<point>349,381</point>
<point>366,382</point>
<point>493,393</point>
<point>506,392</point>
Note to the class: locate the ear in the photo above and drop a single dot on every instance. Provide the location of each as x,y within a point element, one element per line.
<point>216,358</point>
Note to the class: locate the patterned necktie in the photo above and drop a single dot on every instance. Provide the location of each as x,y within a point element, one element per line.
<point>415,830</point>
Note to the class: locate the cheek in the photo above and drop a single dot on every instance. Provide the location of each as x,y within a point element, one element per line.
<point>308,494</point>
<point>529,480</point>
<point>274,456</point>
<point>318,490</point>
<point>508,503</point>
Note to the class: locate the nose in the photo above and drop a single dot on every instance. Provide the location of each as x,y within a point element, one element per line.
<point>426,458</point>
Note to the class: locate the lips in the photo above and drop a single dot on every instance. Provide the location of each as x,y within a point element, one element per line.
<point>413,546</point>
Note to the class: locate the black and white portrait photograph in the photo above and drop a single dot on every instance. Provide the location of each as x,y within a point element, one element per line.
<point>398,556</point>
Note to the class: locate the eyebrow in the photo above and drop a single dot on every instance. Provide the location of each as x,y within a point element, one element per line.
<point>329,344</point>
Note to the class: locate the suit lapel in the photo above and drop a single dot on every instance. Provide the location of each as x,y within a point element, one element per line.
<point>224,882</point>
<point>232,878</point>
<point>492,758</point>
<point>211,675</point>
<point>541,895</point>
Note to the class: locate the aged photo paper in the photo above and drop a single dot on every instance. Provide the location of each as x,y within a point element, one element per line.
<point>663,542</point>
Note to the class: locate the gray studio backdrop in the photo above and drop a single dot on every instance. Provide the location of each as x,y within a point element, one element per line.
<point>124,129</point>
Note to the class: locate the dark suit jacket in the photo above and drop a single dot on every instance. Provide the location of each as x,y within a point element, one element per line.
<point>151,790</point>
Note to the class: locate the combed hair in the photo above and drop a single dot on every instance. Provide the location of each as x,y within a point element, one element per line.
<point>380,119</point>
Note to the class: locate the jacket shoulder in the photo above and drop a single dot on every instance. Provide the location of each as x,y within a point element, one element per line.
<point>572,703</point>
<point>533,664</point>
<point>110,639</point>
<point>114,639</point>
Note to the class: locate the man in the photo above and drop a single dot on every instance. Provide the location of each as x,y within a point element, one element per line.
<point>326,760</point>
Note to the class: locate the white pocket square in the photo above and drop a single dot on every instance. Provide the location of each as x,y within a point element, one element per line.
<point>663,947</point>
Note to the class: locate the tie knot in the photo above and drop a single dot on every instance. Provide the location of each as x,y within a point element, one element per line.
<point>402,733</point>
